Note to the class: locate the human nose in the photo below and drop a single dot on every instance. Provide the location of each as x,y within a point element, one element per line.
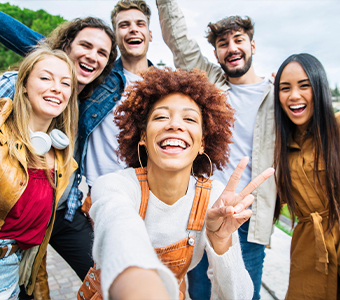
<point>175,124</point>
<point>295,94</point>
<point>232,47</point>
<point>133,27</point>
<point>56,87</point>
<point>91,55</point>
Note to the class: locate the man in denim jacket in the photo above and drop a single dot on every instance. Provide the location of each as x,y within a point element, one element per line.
<point>131,27</point>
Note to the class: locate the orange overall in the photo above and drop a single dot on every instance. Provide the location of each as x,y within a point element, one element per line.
<point>177,256</point>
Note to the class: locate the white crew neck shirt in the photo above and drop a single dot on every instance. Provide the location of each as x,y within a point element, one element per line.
<point>246,99</point>
<point>101,157</point>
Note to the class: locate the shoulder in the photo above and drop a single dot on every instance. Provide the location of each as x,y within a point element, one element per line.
<point>7,84</point>
<point>119,181</point>
<point>337,117</point>
<point>6,106</point>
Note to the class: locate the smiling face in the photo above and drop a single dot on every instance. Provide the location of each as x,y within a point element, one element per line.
<point>89,51</point>
<point>48,89</point>
<point>296,95</point>
<point>132,34</point>
<point>173,136</point>
<point>234,53</point>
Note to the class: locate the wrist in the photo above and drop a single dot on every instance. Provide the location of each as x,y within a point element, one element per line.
<point>220,245</point>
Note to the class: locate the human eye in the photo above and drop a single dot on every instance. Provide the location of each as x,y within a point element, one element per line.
<point>284,88</point>
<point>190,119</point>
<point>305,85</point>
<point>66,83</point>
<point>85,45</point>
<point>45,78</point>
<point>160,117</point>
<point>102,53</point>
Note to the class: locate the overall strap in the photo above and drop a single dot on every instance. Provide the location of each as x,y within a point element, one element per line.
<point>200,205</point>
<point>141,174</point>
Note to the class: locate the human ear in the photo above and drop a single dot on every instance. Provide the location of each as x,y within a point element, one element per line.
<point>142,139</point>
<point>150,33</point>
<point>252,43</point>
<point>201,150</point>
<point>216,56</point>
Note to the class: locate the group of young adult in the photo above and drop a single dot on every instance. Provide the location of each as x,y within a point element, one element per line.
<point>174,128</point>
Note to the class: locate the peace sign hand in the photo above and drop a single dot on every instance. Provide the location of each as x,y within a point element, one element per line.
<point>230,211</point>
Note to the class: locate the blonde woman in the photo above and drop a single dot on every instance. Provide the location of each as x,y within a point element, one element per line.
<point>37,133</point>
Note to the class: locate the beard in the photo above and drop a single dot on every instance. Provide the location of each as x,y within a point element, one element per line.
<point>237,72</point>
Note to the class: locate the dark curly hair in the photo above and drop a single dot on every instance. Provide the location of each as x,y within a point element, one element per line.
<point>228,25</point>
<point>217,116</point>
<point>63,36</point>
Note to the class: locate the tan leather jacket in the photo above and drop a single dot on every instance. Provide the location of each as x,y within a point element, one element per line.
<point>13,181</point>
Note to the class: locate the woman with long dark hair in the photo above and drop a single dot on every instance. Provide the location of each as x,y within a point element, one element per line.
<point>308,175</point>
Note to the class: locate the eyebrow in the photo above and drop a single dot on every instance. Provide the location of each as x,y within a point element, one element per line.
<point>300,81</point>
<point>236,35</point>
<point>184,109</point>
<point>90,44</point>
<point>51,73</point>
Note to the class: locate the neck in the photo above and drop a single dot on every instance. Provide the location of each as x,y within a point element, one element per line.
<point>168,186</point>
<point>135,65</point>
<point>39,125</point>
<point>80,87</point>
<point>249,78</point>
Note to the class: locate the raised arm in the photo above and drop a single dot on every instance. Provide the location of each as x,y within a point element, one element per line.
<point>186,52</point>
<point>16,36</point>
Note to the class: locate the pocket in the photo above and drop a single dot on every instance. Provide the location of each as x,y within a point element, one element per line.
<point>9,271</point>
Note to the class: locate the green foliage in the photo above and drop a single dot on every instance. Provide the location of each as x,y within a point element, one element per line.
<point>39,21</point>
<point>284,227</point>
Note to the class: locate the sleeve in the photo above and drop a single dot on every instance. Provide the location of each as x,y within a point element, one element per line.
<point>7,84</point>
<point>120,236</point>
<point>16,36</point>
<point>227,273</point>
<point>186,52</point>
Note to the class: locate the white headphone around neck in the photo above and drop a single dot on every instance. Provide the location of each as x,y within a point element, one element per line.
<point>42,141</point>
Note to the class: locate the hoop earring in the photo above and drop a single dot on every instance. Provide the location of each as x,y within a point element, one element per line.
<point>140,161</point>
<point>192,168</point>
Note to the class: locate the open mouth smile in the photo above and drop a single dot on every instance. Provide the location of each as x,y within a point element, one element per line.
<point>53,100</point>
<point>298,108</point>
<point>86,67</point>
<point>173,144</point>
<point>134,41</point>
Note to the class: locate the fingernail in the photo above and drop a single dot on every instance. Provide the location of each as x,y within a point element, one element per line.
<point>237,209</point>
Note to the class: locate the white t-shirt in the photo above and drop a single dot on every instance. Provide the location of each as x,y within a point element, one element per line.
<point>246,99</point>
<point>122,239</point>
<point>101,157</point>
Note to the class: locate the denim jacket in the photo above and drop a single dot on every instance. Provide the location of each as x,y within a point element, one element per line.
<point>92,111</point>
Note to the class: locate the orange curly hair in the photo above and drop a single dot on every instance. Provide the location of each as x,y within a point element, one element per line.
<point>218,116</point>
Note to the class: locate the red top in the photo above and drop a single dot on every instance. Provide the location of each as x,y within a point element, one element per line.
<point>27,220</point>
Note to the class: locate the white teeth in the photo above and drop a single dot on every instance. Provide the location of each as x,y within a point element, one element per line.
<point>297,106</point>
<point>86,67</point>
<point>54,100</point>
<point>235,58</point>
<point>174,143</point>
<point>135,41</point>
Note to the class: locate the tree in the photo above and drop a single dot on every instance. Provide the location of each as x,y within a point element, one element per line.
<point>39,21</point>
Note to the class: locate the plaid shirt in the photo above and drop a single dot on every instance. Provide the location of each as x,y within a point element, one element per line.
<point>7,84</point>
<point>7,88</point>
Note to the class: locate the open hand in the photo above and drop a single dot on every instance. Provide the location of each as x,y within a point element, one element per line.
<point>230,210</point>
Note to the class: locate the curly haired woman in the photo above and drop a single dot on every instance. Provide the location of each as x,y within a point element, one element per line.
<point>171,123</point>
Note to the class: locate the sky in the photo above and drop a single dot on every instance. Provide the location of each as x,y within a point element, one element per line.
<point>282,27</point>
